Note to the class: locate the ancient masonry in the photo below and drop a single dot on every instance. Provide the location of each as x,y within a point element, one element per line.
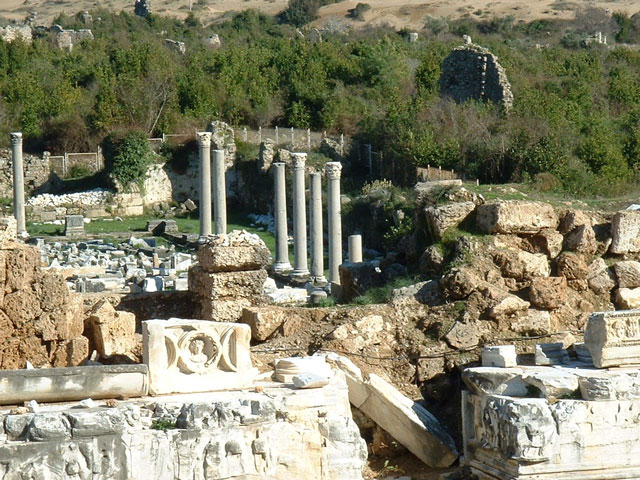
<point>230,275</point>
<point>472,72</point>
<point>563,420</point>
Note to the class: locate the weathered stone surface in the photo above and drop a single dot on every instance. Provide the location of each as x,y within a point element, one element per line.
<point>627,273</point>
<point>628,298</point>
<point>508,306</point>
<point>357,278</point>
<point>571,266</point>
<point>625,232</point>
<point>463,335</point>
<point>264,321</point>
<point>460,283</point>
<point>548,293</point>
<point>522,265</point>
<point>236,251</point>
<point>613,338</point>
<point>114,332</point>
<point>370,329</point>
<point>533,322</point>
<point>89,423</point>
<point>551,354</point>
<point>73,383</point>
<point>196,355</point>
<point>499,356</point>
<point>515,217</point>
<point>601,278</point>
<point>604,386</point>
<point>8,230</point>
<point>431,260</point>
<point>553,383</point>
<point>443,217</point>
<point>546,241</point>
<point>495,381</point>
<point>224,310</point>
<point>582,239</point>
<point>223,285</point>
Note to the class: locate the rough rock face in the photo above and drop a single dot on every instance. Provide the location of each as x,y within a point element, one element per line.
<point>548,293</point>
<point>625,232</point>
<point>113,332</point>
<point>230,275</point>
<point>514,217</point>
<point>472,72</point>
<point>40,320</point>
<point>439,219</point>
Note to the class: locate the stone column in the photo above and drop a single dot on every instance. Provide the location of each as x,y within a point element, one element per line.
<point>315,212</point>
<point>18,183</point>
<point>281,264</point>
<point>355,248</point>
<point>332,170</point>
<point>300,268</point>
<point>204,142</point>
<point>219,193</point>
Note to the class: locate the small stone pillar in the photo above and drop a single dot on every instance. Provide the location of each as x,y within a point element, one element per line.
<point>300,268</point>
<point>332,170</point>
<point>204,143</point>
<point>219,193</point>
<point>18,183</point>
<point>355,248</point>
<point>74,226</point>
<point>281,264</point>
<point>317,250</point>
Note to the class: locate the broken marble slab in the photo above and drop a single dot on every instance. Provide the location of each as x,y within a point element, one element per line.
<point>288,368</point>
<point>613,338</point>
<point>408,422</point>
<point>72,383</point>
<point>310,380</point>
<point>495,381</point>
<point>610,385</point>
<point>553,383</point>
<point>499,356</point>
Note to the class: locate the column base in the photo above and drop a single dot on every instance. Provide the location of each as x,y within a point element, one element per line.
<point>282,268</point>
<point>300,274</point>
<point>319,281</point>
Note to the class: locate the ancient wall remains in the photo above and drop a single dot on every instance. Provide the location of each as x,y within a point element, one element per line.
<point>9,33</point>
<point>36,173</point>
<point>473,72</point>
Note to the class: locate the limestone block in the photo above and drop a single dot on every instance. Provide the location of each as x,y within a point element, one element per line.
<point>547,241</point>
<point>534,322</point>
<point>264,321</point>
<point>113,332</point>
<point>553,383</point>
<point>581,240</point>
<point>625,232</point>
<point>604,386</point>
<point>224,310</point>
<point>507,306</point>
<point>196,355</point>
<point>72,383</point>
<point>22,266</point>
<point>408,422</point>
<point>627,273</point>
<point>613,338</point>
<point>443,217</point>
<point>601,278</point>
<point>551,354</point>
<point>94,422</point>
<point>236,251</point>
<point>495,381</point>
<point>499,356</point>
<point>548,293</point>
<point>572,219</point>
<point>628,298</point>
<point>515,217</point>
<point>8,230</point>
<point>571,266</point>
<point>522,265</point>
<point>226,284</point>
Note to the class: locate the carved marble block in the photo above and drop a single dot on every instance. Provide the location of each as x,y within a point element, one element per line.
<point>613,338</point>
<point>196,356</point>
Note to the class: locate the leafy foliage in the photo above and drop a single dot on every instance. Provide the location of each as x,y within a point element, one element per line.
<point>130,158</point>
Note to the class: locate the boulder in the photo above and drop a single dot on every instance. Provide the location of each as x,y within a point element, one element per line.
<point>522,265</point>
<point>431,260</point>
<point>571,266</point>
<point>627,298</point>
<point>625,232</point>
<point>548,293</point>
<point>460,283</point>
<point>264,321</point>
<point>515,217</point>
<point>114,332</point>
<point>443,217</point>
<point>534,322</point>
<point>508,306</point>
<point>627,274</point>
<point>546,241</point>
<point>601,279</point>
<point>463,335</point>
<point>582,239</point>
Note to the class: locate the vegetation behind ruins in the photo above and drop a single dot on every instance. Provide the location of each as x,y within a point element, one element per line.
<point>574,126</point>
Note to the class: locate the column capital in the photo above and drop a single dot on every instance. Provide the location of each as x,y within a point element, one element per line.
<point>204,139</point>
<point>299,160</point>
<point>16,138</point>
<point>333,170</point>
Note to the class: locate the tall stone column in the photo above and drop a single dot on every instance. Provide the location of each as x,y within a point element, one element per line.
<point>333,170</point>
<point>204,142</point>
<point>281,264</point>
<point>300,268</point>
<point>18,182</point>
<point>219,193</point>
<point>315,212</point>
<point>355,248</point>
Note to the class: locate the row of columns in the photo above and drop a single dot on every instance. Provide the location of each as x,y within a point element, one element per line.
<point>219,187</point>
<point>300,267</point>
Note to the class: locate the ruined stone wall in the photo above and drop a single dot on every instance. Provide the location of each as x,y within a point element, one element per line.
<point>40,320</point>
<point>9,33</point>
<point>66,39</point>
<point>472,72</point>
<point>36,173</point>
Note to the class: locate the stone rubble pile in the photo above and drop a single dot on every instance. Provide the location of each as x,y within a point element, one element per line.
<point>97,196</point>
<point>564,420</point>
<point>230,275</point>
<point>135,266</point>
